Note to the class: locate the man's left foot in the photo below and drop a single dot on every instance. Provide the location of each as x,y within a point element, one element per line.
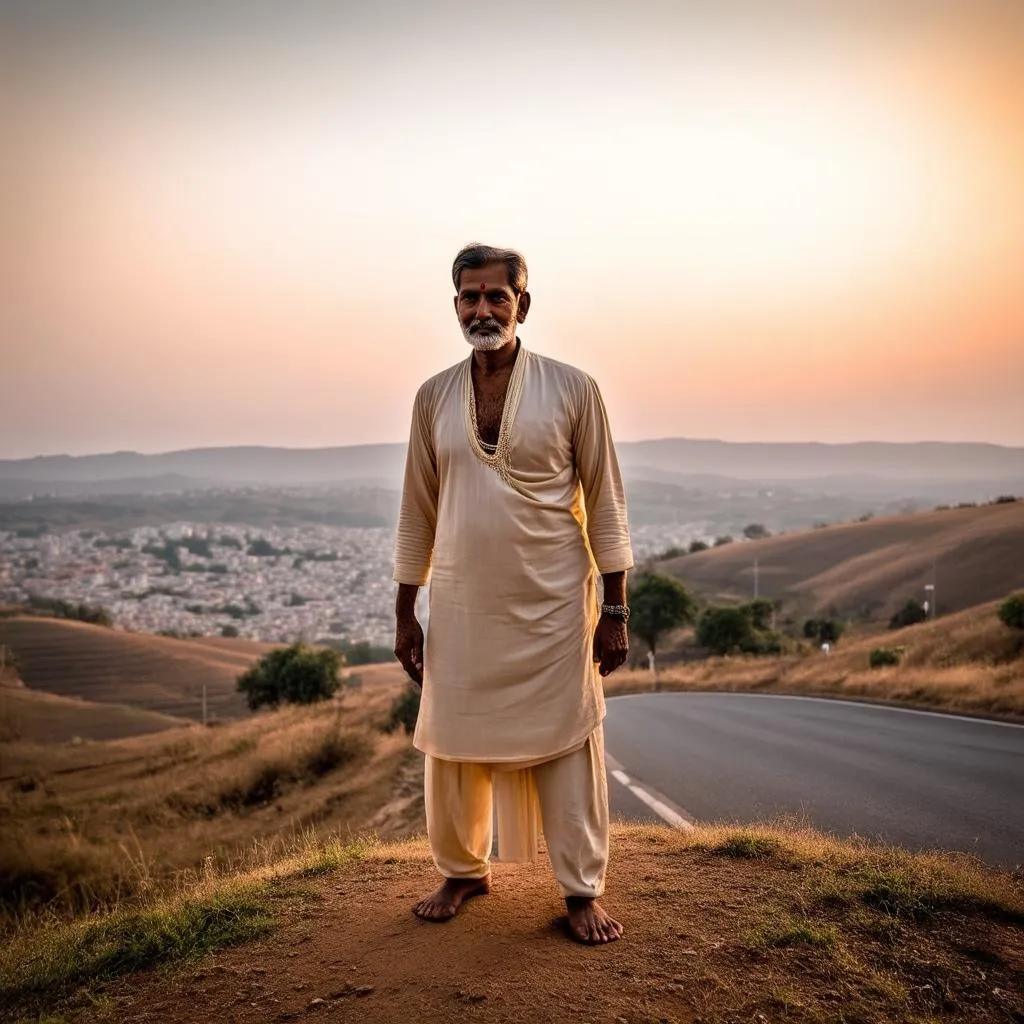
<point>588,923</point>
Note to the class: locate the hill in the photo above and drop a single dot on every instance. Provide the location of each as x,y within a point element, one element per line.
<point>865,570</point>
<point>967,661</point>
<point>992,468</point>
<point>109,666</point>
<point>87,824</point>
<point>41,717</point>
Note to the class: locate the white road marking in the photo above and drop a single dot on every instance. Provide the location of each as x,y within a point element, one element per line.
<point>659,806</point>
<point>947,715</point>
<point>675,820</point>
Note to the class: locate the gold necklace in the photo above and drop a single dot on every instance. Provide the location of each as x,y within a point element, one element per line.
<point>500,457</point>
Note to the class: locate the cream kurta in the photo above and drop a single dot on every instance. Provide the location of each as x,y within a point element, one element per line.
<point>510,545</point>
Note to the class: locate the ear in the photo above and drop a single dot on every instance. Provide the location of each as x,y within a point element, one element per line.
<point>524,307</point>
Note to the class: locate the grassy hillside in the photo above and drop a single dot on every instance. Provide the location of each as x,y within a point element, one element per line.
<point>722,925</point>
<point>41,717</point>
<point>86,824</point>
<point>968,661</point>
<point>108,666</point>
<point>866,570</point>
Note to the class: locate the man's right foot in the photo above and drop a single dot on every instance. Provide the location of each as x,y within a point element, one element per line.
<point>444,904</point>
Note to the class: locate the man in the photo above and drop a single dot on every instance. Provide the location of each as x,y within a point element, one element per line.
<point>512,503</point>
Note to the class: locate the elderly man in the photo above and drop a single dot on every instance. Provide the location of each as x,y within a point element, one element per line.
<point>512,504</point>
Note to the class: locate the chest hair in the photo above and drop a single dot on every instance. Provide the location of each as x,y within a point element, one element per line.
<point>489,393</point>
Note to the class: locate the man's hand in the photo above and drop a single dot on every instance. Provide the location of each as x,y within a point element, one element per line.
<point>409,647</point>
<point>611,644</point>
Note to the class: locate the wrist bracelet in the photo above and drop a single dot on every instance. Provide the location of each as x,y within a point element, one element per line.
<point>616,611</point>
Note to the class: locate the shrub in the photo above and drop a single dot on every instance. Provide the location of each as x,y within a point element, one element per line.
<point>911,612</point>
<point>825,631</point>
<point>724,630</point>
<point>229,631</point>
<point>756,531</point>
<point>720,542</point>
<point>404,710</point>
<point>1011,611</point>
<point>295,675</point>
<point>697,545</point>
<point>882,656</point>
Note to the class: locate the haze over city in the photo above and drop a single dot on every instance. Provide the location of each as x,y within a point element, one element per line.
<point>235,226</point>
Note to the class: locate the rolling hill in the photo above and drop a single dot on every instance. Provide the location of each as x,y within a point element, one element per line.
<point>866,570</point>
<point>151,673</point>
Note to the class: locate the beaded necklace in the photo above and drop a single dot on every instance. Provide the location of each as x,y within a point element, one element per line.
<point>497,456</point>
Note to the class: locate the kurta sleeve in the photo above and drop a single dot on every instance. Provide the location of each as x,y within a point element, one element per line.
<point>417,519</point>
<point>603,493</point>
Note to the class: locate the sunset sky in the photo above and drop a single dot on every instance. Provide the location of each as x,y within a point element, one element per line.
<point>233,223</point>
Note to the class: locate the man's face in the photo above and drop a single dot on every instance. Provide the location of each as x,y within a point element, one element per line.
<point>488,308</point>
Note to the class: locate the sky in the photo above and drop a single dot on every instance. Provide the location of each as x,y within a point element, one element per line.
<point>231,223</point>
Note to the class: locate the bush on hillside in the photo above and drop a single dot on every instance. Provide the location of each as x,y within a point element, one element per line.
<point>756,531</point>
<point>81,612</point>
<point>882,656</point>
<point>293,675</point>
<point>911,613</point>
<point>697,545</point>
<point>724,630</point>
<point>720,542</point>
<point>658,604</point>
<point>229,631</point>
<point>404,710</point>
<point>744,629</point>
<point>825,631</point>
<point>1011,611</point>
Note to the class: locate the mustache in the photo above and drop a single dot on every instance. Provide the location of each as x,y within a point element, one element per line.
<point>490,324</point>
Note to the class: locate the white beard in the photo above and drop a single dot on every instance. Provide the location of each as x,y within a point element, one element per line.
<point>490,342</point>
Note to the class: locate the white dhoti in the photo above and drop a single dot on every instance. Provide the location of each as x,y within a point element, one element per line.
<point>565,797</point>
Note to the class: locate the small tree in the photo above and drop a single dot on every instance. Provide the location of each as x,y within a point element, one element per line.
<point>697,545</point>
<point>657,605</point>
<point>1011,611</point>
<point>911,612</point>
<point>756,531</point>
<point>295,675</point>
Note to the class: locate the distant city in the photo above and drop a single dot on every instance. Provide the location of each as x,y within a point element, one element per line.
<point>274,584</point>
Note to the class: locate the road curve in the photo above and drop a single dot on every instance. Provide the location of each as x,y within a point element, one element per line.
<point>921,780</point>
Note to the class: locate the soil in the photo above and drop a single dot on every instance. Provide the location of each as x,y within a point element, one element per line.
<point>350,949</point>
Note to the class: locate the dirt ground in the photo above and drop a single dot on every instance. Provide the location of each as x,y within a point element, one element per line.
<point>349,949</point>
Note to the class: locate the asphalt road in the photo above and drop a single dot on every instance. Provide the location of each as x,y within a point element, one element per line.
<point>923,781</point>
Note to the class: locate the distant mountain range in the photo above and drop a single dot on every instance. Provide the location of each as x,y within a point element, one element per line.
<point>707,465</point>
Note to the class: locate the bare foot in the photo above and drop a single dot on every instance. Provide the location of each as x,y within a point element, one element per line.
<point>588,923</point>
<point>444,904</point>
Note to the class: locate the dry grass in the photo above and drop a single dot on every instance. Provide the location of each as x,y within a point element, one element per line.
<point>40,717</point>
<point>869,569</point>
<point>967,662</point>
<point>88,825</point>
<point>725,923</point>
<point>110,666</point>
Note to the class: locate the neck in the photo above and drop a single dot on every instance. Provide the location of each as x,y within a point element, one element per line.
<point>498,360</point>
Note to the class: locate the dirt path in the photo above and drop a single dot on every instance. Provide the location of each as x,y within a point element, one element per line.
<point>349,949</point>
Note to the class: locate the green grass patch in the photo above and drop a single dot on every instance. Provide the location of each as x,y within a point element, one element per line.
<point>53,961</point>
<point>902,894</point>
<point>786,931</point>
<point>747,846</point>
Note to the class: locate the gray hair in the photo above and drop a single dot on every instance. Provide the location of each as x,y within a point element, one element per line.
<point>477,255</point>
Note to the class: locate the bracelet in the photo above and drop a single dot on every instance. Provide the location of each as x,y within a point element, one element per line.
<point>616,611</point>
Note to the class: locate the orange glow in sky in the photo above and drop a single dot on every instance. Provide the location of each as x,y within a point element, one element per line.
<point>237,228</point>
